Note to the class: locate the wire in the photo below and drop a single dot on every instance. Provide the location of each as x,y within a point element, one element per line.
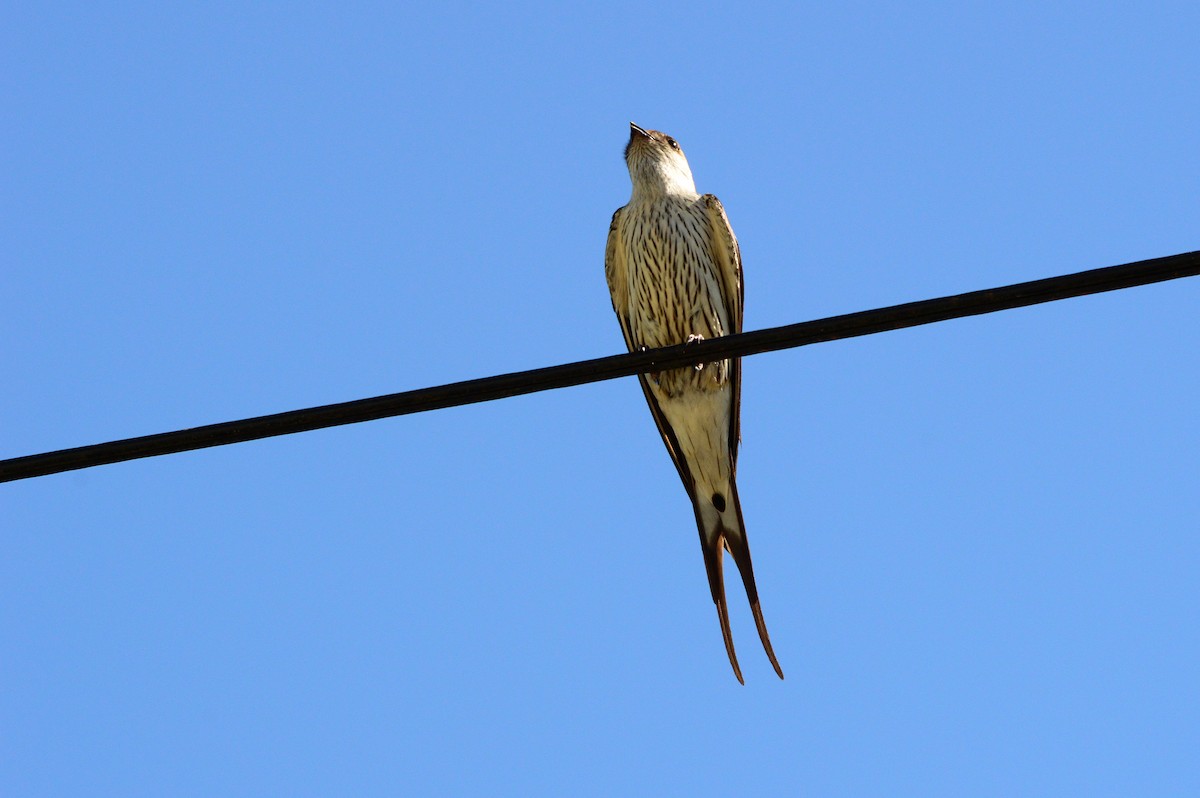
<point>867,322</point>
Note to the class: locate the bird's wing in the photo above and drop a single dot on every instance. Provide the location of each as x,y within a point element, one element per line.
<point>618,279</point>
<point>618,287</point>
<point>729,272</point>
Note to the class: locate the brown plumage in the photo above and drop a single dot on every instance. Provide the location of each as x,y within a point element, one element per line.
<point>675,274</point>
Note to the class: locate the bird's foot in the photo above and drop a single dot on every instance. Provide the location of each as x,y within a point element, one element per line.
<point>695,338</point>
<point>651,375</point>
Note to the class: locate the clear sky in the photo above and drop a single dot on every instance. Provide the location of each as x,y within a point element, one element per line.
<point>976,542</point>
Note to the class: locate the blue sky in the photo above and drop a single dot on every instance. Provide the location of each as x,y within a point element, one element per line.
<point>976,542</point>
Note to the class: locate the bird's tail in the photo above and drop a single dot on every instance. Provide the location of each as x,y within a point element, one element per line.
<point>719,517</point>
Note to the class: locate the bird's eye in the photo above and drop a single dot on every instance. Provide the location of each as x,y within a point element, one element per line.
<point>674,144</point>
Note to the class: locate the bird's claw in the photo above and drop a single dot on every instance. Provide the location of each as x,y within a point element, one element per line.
<point>651,375</point>
<point>695,338</point>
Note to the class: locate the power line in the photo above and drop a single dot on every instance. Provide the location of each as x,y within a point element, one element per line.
<point>866,322</point>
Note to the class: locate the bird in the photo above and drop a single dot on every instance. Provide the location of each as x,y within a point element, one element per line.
<point>674,272</point>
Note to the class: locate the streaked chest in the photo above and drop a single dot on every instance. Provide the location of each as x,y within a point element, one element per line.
<point>673,287</point>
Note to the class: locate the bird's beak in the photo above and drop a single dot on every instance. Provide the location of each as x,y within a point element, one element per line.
<point>634,130</point>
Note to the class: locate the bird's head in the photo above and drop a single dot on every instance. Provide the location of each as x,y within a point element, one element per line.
<point>656,164</point>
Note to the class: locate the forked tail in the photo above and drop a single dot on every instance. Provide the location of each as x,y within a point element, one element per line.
<point>721,530</point>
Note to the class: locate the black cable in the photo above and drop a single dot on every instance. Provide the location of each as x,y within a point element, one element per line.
<point>486,389</point>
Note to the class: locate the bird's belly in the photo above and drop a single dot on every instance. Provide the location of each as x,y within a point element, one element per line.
<point>675,297</point>
<point>700,422</point>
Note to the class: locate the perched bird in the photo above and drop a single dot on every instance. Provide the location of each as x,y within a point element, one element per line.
<point>675,274</point>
